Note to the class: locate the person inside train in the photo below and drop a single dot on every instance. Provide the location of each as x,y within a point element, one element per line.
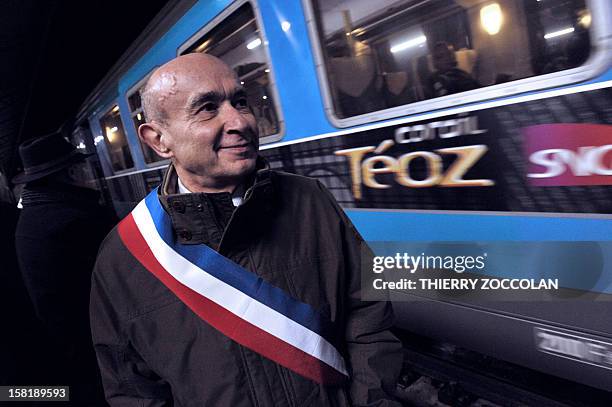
<point>448,78</point>
<point>232,284</point>
<point>58,234</point>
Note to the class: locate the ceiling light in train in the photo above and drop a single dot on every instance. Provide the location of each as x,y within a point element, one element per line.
<point>81,145</point>
<point>409,44</point>
<point>254,44</point>
<point>98,139</point>
<point>264,97</point>
<point>285,25</point>
<point>115,109</point>
<point>491,18</point>
<point>139,117</point>
<point>585,19</point>
<point>109,133</point>
<point>559,33</point>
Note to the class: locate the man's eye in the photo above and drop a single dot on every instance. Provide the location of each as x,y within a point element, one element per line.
<point>209,107</point>
<point>241,103</point>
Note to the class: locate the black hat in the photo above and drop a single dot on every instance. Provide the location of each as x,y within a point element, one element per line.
<point>46,155</point>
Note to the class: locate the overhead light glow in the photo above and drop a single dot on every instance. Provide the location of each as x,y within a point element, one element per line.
<point>266,70</point>
<point>264,97</point>
<point>139,117</point>
<point>559,33</point>
<point>491,18</point>
<point>285,25</point>
<point>242,82</point>
<point>409,44</point>
<point>585,20</point>
<point>115,109</point>
<point>81,145</point>
<point>114,129</point>
<point>254,44</point>
<point>98,139</point>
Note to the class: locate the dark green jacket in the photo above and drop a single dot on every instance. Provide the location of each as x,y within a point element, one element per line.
<point>154,351</point>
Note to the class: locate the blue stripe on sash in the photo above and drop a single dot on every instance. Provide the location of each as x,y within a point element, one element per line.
<point>238,277</point>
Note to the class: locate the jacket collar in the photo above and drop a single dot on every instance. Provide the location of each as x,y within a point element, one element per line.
<point>195,216</point>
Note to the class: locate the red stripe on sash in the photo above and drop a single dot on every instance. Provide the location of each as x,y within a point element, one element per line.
<point>226,322</point>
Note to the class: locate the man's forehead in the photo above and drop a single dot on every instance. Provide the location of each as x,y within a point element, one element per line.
<point>220,85</point>
<point>181,79</point>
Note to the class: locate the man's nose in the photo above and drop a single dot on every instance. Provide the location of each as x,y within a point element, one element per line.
<point>236,120</point>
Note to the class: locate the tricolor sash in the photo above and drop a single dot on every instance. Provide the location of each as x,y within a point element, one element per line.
<point>233,300</point>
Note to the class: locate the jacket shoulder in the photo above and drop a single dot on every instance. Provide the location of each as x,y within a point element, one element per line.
<point>286,177</point>
<point>132,289</point>
<point>297,184</point>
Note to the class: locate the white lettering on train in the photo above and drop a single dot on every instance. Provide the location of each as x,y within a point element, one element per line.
<point>586,161</point>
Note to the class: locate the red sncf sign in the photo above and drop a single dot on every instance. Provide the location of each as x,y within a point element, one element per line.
<point>569,154</point>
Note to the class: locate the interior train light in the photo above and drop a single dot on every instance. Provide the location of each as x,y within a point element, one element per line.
<point>264,97</point>
<point>110,133</point>
<point>409,44</point>
<point>98,139</point>
<point>285,25</point>
<point>491,18</point>
<point>254,44</point>
<point>559,33</point>
<point>115,109</point>
<point>139,117</point>
<point>81,145</point>
<point>585,20</point>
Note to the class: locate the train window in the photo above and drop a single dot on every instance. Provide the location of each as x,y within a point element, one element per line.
<point>116,142</point>
<point>238,41</point>
<point>389,53</point>
<point>137,115</point>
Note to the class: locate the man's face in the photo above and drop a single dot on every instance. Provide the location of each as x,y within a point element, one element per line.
<point>444,58</point>
<point>209,127</point>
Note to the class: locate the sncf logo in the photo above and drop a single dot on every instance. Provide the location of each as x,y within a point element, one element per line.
<point>569,154</point>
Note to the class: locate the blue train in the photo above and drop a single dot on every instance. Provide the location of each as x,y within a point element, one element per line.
<point>483,123</point>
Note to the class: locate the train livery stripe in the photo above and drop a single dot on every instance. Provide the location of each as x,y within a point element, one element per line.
<point>242,317</point>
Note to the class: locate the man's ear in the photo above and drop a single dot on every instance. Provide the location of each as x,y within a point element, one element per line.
<point>151,134</point>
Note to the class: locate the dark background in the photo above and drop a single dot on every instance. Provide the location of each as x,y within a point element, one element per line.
<point>52,55</point>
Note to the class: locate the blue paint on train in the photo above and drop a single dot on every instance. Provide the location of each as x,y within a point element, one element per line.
<point>292,63</point>
<point>403,226</point>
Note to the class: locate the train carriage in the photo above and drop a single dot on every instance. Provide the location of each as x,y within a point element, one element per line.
<point>430,121</point>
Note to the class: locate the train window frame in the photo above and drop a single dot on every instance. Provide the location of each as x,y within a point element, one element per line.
<point>598,61</point>
<point>219,19</point>
<point>101,113</point>
<point>133,89</point>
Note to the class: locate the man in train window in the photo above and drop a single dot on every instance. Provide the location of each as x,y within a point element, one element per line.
<point>232,284</point>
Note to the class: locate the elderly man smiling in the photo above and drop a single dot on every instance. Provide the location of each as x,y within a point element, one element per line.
<point>232,284</point>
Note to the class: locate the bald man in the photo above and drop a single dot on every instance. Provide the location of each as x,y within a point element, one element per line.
<point>232,284</point>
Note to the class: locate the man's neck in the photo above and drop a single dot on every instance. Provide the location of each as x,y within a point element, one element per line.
<point>193,184</point>
<point>237,193</point>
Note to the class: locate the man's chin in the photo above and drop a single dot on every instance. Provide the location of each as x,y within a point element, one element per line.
<point>243,166</point>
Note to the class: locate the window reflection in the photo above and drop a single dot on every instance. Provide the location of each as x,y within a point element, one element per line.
<point>116,142</point>
<point>390,53</point>
<point>137,114</point>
